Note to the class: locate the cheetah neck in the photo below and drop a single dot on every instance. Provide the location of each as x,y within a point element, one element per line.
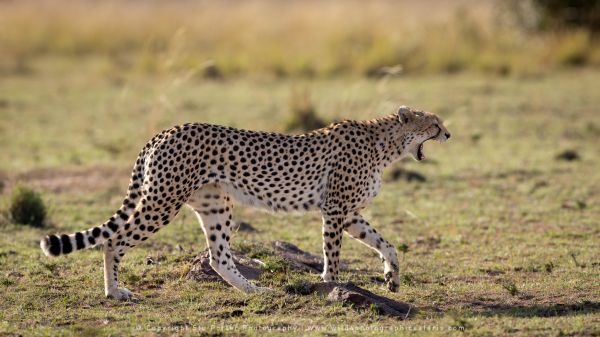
<point>386,132</point>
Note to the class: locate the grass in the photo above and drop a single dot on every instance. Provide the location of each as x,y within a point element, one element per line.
<point>497,208</point>
<point>298,38</point>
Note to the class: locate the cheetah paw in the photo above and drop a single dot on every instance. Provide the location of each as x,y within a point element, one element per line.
<point>121,294</point>
<point>329,278</point>
<point>393,281</point>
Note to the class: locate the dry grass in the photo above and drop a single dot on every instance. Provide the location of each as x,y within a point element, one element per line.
<point>291,38</point>
<point>68,179</point>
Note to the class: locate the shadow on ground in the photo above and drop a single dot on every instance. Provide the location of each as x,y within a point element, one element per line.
<point>551,310</point>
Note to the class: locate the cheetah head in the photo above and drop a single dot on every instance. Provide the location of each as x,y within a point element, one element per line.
<point>417,128</point>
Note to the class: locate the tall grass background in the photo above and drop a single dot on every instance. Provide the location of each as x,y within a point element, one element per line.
<point>217,39</point>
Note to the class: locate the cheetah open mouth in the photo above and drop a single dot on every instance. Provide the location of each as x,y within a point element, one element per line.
<point>419,155</point>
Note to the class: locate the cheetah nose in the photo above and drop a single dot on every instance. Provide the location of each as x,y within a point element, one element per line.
<point>447,135</point>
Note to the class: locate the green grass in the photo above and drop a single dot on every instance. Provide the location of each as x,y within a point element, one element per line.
<point>497,240</point>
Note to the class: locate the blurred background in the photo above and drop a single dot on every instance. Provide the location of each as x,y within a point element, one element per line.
<point>225,39</point>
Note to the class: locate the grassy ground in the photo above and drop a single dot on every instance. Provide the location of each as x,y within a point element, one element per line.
<point>502,237</point>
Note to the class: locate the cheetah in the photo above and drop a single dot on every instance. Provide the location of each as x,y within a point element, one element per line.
<point>335,170</point>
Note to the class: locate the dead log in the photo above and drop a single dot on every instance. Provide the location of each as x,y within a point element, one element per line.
<point>349,293</point>
<point>295,258</point>
<point>202,271</point>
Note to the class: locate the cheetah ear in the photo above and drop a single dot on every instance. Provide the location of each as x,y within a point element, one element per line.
<point>404,114</point>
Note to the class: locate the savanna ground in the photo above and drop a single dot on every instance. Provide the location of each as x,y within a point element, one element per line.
<point>500,239</point>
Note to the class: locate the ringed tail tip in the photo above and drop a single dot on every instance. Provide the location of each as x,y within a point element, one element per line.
<point>51,245</point>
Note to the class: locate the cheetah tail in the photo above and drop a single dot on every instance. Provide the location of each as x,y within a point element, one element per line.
<point>62,244</point>
<point>54,245</point>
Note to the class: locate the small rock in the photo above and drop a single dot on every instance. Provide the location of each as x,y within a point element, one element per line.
<point>430,241</point>
<point>407,175</point>
<point>243,227</point>
<point>538,185</point>
<point>179,249</point>
<point>568,155</point>
<point>210,70</point>
<point>14,274</point>
<point>237,313</point>
<point>577,204</point>
<point>227,314</point>
<point>385,71</point>
<point>491,272</point>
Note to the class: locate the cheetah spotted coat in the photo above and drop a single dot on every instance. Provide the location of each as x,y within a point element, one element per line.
<point>336,170</point>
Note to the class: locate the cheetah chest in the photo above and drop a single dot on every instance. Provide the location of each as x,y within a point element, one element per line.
<point>371,190</point>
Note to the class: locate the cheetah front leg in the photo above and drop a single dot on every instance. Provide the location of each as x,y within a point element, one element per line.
<point>332,244</point>
<point>360,230</point>
<point>213,208</point>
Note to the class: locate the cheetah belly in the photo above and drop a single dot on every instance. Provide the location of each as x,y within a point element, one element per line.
<point>298,198</point>
<point>241,196</point>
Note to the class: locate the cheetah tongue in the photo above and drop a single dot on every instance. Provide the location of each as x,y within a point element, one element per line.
<point>420,155</point>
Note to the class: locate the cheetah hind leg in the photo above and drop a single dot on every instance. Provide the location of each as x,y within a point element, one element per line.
<point>148,218</point>
<point>213,208</point>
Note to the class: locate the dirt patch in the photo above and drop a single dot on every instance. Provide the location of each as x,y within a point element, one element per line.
<point>69,180</point>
